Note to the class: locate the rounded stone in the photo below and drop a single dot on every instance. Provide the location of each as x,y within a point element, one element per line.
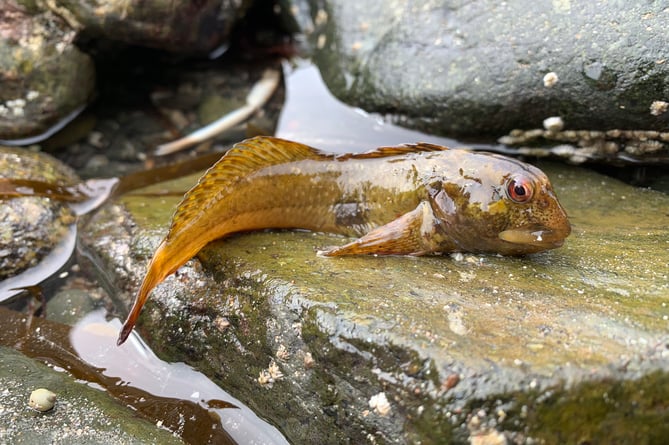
<point>31,226</point>
<point>44,78</point>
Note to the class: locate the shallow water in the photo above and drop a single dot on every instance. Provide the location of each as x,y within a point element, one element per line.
<point>183,400</point>
<point>313,116</point>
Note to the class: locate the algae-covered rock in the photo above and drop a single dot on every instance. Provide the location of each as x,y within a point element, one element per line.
<point>43,76</point>
<point>31,226</point>
<point>487,67</point>
<point>45,80</point>
<point>184,26</point>
<point>451,349</point>
<point>82,415</point>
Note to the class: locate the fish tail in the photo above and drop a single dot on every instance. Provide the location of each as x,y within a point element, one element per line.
<point>156,273</point>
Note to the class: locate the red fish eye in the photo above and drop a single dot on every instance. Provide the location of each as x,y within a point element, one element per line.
<point>519,189</point>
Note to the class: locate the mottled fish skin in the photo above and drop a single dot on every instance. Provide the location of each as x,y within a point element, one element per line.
<point>413,199</point>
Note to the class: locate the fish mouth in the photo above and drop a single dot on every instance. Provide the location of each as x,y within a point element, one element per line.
<point>540,237</point>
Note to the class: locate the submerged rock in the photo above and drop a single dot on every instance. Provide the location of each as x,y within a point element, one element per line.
<point>487,67</point>
<point>453,349</point>
<point>82,415</point>
<point>32,226</point>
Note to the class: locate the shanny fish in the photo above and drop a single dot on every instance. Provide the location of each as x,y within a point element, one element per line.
<point>413,199</point>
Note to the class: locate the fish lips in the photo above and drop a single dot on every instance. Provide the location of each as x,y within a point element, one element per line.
<point>538,237</point>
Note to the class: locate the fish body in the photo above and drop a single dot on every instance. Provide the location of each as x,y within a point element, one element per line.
<point>413,199</point>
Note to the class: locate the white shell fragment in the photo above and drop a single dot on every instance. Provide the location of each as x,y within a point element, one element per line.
<point>554,124</point>
<point>379,403</point>
<point>42,400</point>
<point>550,79</point>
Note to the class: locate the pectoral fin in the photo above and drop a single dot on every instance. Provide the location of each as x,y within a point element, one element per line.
<point>410,234</point>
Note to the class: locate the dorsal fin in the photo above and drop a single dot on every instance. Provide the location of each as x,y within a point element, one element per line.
<point>384,152</point>
<point>237,163</point>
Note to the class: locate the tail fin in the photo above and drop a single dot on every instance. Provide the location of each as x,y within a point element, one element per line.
<point>157,271</point>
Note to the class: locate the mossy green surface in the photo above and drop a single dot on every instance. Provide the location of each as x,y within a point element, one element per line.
<point>608,411</point>
<point>82,415</point>
<point>43,70</point>
<point>595,310</point>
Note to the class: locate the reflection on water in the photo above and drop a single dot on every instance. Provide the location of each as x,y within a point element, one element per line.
<point>135,365</point>
<point>182,400</point>
<point>313,116</point>
<point>47,133</point>
<point>47,267</point>
<point>96,191</point>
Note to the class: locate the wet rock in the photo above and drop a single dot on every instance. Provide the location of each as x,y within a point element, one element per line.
<point>32,226</point>
<point>613,146</point>
<point>82,415</point>
<point>464,348</point>
<point>487,67</point>
<point>71,305</point>
<point>185,99</point>
<point>183,26</point>
<point>44,78</point>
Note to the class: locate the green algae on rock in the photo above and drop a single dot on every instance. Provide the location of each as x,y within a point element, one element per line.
<point>453,341</point>
<point>180,26</point>
<point>82,416</point>
<point>31,226</point>
<point>44,78</point>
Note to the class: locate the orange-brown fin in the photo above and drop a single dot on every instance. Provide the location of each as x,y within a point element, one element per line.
<point>197,219</point>
<point>156,272</point>
<point>399,150</point>
<point>241,160</point>
<point>410,234</point>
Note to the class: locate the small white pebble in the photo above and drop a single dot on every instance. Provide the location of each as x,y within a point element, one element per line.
<point>380,404</point>
<point>16,103</point>
<point>42,400</point>
<point>308,360</point>
<point>457,256</point>
<point>554,124</point>
<point>321,41</point>
<point>659,107</point>
<point>32,95</point>
<point>550,79</point>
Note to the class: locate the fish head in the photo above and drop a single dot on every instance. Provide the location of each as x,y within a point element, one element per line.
<point>501,205</point>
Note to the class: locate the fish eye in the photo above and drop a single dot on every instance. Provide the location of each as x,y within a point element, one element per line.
<point>519,189</point>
